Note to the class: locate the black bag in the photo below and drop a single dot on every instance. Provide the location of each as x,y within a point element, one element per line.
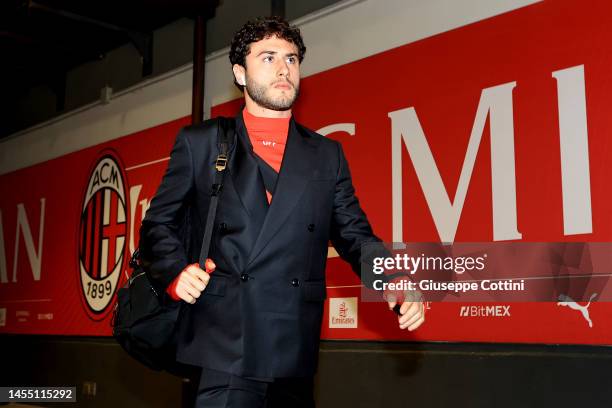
<point>143,323</point>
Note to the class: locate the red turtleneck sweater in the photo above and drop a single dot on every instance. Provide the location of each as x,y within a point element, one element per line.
<point>268,137</point>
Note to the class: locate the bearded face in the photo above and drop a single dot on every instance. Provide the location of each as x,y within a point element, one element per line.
<point>271,75</point>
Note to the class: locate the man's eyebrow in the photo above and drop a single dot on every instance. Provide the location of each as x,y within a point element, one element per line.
<point>291,54</point>
<point>267,52</point>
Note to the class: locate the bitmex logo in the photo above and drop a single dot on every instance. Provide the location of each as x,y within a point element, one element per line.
<point>343,313</point>
<point>485,311</point>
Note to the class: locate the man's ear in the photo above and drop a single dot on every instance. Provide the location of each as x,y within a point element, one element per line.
<point>239,74</point>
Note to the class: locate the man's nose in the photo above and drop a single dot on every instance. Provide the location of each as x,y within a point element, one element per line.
<point>283,69</point>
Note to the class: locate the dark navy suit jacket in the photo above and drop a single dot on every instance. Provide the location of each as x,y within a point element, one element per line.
<point>260,315</point>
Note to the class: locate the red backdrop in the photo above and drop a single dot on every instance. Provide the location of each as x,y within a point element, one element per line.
<point>442,78</point>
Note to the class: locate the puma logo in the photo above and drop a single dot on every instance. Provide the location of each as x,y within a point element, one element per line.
<point>567,301</point>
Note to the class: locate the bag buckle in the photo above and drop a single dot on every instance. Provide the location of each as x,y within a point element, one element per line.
<point>221,162</point>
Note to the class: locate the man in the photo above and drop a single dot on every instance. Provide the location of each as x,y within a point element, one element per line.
<point>254,324</point>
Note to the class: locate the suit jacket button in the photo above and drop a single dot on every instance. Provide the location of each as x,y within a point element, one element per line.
<point>244,277</point>
<point>295,282</point>
<point>311,227</point>
<point>222,227</point>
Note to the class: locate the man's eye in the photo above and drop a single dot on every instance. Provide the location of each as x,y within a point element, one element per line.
<point>291,60</point>
<point>268,58</point>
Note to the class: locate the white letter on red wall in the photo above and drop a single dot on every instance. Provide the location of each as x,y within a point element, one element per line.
<point>496,103</point>
<point>574,140</point>
<point>35,257</point>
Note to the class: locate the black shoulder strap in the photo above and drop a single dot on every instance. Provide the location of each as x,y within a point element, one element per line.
<point>225,136</point>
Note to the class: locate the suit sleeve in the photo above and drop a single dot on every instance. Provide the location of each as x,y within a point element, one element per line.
<point>350,228</point>
<point>161,242</point>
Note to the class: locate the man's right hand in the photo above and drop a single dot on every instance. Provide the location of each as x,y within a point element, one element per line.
<point>192,281</point>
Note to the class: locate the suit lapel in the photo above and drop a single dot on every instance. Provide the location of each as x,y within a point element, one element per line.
<point>245,176</point>
<point>296,171</point>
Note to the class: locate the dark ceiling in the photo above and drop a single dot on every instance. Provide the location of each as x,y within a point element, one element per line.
<point>40,40</point>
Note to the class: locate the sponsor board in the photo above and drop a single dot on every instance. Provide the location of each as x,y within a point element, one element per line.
<point>498,130</point>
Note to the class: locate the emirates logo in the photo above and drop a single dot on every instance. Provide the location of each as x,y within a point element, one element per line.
<point>343,312</point>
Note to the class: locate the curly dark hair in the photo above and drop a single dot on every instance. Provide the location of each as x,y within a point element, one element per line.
<point>259,29</point>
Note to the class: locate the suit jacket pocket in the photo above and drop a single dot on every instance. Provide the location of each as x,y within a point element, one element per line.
<point>315,291</point>
<point>216,286</point>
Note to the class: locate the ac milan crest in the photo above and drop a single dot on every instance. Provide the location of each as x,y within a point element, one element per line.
<point>103,234</point>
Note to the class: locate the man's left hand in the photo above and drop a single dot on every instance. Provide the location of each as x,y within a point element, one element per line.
<point>411,311</point>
